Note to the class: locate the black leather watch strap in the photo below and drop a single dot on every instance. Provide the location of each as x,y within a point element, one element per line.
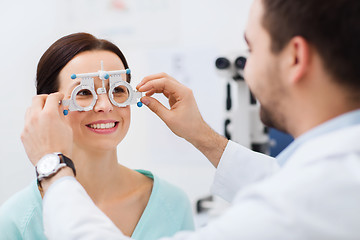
<point>68,162</point>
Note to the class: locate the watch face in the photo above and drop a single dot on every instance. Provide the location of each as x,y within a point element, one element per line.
<point>48,164</point>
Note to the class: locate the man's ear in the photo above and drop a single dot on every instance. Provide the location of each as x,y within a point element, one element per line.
<point>298,59</point>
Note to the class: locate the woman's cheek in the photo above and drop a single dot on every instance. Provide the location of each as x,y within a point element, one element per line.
<point>74,120</point>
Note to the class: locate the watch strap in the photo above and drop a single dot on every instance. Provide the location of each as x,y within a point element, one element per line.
<point>68,162</point>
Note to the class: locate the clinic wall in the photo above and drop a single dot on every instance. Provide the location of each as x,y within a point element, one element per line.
<point>180,37</point>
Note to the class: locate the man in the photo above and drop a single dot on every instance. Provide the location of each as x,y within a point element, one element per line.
<point>302,69</point>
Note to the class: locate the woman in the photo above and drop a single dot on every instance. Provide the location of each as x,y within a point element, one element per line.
<point>140,204</point>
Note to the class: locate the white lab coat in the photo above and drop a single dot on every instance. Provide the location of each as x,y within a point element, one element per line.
<point>316,195</point>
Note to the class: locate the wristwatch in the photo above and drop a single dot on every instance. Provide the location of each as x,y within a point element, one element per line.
<point>50,164</point>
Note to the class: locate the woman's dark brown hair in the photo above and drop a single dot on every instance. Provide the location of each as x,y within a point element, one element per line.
<point>62,51</point>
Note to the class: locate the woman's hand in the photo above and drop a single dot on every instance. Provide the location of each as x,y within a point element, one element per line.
<point>45,129</point>
<point>183,117</point>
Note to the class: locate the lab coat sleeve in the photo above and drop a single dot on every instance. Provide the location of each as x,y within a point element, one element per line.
<point>239,167</point>
<point>70,214</point>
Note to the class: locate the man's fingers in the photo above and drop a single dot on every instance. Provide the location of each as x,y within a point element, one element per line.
<point>155,106</point>
<point>38,102</point>
<point>155,84</point>
<point>52,102</point>
<point>27,116</point>
<point>150,93</point>
<point>163,85</point>
<point>166,93</point>
<point>150,78</point>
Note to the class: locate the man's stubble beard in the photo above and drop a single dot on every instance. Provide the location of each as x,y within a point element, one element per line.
<point>273,119</point>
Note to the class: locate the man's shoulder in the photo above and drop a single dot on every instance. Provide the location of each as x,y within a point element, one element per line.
<point>336,144</point>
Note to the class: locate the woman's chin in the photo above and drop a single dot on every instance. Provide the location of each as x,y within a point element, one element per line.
<point>99,145</point>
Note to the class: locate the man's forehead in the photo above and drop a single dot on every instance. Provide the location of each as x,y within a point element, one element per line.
<point>254,19</point>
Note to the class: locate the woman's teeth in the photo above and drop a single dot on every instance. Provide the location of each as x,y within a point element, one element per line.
<point>102,125</point>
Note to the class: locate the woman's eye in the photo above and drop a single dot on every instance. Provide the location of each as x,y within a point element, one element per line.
<point>119,90</point>
<point>84,92</point>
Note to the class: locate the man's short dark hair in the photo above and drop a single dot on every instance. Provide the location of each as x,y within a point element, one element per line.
<point>331,26</point>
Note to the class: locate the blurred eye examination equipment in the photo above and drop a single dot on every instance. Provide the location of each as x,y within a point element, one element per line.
<point>242,123</point>
<point>84,97</point>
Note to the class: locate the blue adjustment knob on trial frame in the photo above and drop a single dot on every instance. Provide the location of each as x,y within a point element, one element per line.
<point>139,104</point>
<point>66,112</point>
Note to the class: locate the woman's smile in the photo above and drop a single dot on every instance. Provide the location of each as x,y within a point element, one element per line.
<point>103,126</point>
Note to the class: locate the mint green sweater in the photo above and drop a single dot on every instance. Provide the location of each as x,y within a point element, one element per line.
<point>167,212</point>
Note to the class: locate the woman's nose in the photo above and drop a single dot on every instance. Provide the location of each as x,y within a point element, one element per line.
<point>103,104</point>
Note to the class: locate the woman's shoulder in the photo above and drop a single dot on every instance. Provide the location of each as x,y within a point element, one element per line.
<point>22,201</point>
<point>167,200</point>
<point>169,192</point>
<point>165,191</point>
<point>17,212</point>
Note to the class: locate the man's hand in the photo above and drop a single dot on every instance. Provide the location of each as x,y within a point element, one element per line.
<point>45,129</point>
<point>183,117</point>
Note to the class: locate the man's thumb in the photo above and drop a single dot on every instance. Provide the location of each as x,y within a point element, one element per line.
<point>155,106</point>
